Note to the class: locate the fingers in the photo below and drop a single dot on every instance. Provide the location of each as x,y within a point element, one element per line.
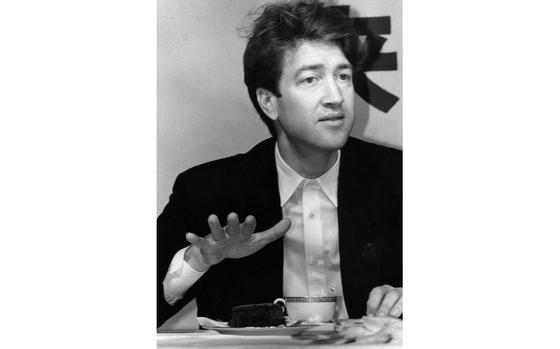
<point>216,229</point>
<point>375,297</point>
<point>385,300</point>
<point>248,227</point>
<point>233,228</point>
<point>390,301</point>
<point>397,309</point>
<point>196,240</point>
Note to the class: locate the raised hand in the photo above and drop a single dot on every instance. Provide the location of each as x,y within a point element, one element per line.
<point>235,240</point>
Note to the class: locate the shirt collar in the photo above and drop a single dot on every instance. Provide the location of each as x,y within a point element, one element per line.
<point>289,180</point>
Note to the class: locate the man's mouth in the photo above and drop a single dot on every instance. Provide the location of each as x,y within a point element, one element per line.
<point>332,117</point>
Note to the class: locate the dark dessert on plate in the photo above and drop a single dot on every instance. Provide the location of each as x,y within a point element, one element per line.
<point>257,315</point>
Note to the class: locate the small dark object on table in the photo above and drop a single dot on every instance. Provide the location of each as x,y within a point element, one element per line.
<point>257,315</point>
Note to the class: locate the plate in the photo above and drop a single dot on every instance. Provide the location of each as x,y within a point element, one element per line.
<point>261,331</point>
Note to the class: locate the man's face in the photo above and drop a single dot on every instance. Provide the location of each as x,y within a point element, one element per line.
<point>316,110</point>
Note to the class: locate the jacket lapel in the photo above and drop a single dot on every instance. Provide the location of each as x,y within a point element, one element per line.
<point>359,207</point>
<point>263,201</point>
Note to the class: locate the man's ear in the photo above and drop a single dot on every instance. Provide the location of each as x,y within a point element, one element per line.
<point>268,102</point>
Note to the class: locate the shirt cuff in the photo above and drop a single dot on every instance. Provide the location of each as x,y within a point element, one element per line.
<point>180,277</point>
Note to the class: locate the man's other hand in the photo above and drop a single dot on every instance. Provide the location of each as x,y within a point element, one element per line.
<point>235,240</point>
<point>385,301</point>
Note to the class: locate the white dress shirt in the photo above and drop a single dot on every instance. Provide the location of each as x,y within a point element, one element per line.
<point>311,256</point>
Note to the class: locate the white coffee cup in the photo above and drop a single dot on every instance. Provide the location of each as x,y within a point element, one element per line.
<point>309,309</point>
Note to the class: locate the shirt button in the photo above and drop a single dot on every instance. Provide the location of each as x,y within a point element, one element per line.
<point>312,215</point>
<point>315,262</point>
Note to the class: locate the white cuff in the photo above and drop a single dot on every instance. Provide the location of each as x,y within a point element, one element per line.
<point>180,277</point>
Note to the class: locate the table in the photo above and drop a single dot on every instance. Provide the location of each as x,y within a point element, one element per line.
<point>213,339</point>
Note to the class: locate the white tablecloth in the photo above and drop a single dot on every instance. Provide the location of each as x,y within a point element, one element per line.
<point>213,339</point>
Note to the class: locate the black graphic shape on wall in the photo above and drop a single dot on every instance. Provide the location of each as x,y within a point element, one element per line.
<point>372,28</point>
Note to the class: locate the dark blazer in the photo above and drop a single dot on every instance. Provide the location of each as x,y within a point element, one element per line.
<point>369,218</point>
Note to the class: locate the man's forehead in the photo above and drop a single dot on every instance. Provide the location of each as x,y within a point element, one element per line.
<point>313,54</point>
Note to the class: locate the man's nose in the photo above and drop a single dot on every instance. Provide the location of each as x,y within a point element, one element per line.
<point>333,93</point>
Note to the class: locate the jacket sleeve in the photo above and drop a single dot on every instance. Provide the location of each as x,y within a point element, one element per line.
<point>174,222</point>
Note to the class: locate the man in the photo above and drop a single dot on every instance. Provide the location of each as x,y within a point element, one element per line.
<point>309,211</point>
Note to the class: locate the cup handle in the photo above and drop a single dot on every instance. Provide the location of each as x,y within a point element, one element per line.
<point>281,300</point>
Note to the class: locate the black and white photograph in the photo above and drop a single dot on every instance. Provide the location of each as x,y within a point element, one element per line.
<point>279,172</point>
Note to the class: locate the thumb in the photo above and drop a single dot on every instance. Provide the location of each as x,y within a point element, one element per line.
<point>280,228</point>
<point>277,231</point>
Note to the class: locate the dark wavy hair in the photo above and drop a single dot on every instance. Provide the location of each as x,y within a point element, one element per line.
<point>279,28</point>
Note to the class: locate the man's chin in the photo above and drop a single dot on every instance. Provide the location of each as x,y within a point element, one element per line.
<point>335,143</point>
<point>337,138</point>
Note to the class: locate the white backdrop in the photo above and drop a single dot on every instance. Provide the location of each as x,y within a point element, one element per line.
<point>204,111</point>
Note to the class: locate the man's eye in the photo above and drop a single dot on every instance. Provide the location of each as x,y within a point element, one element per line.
<point>309,80</point>
<point>345,77</point>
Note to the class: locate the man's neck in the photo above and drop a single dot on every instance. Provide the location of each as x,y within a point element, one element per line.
<point>307,163</point>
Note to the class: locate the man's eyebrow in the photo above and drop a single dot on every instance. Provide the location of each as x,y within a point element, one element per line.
<point>308,67</point>
<point>303,68</point>
<point>344,66</point>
